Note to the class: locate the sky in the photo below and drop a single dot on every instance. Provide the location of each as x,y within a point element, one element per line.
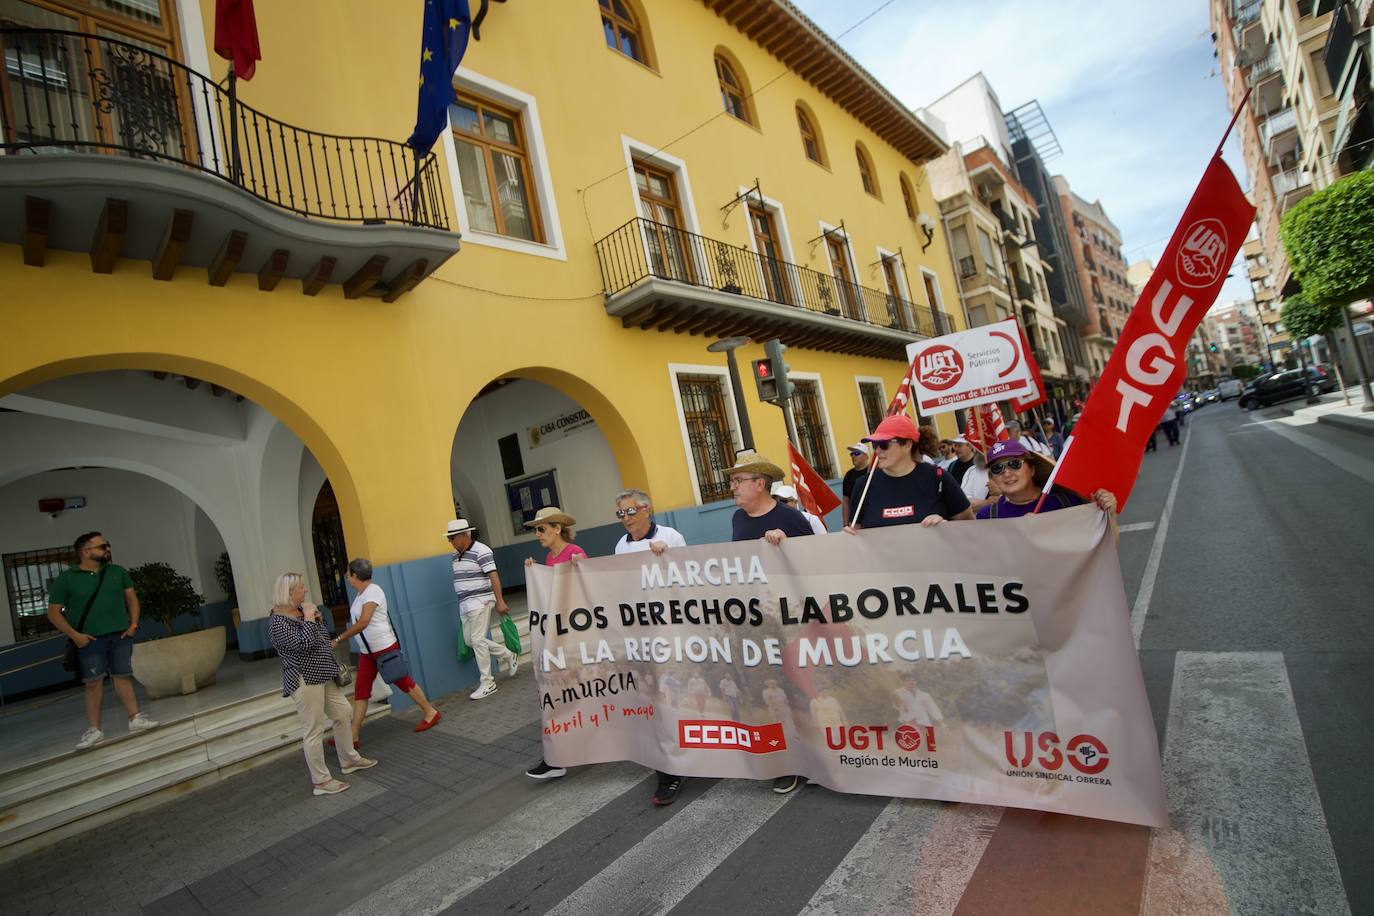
<point>1131,90</point>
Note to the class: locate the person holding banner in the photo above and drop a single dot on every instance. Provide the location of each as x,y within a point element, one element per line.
<point>636,513</point>
<point>906,490</point>
<point>1022,476</point>
<point>759,515</point>
<point>554,529</point>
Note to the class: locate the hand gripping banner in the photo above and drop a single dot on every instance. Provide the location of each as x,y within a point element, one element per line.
<point>980,662</point>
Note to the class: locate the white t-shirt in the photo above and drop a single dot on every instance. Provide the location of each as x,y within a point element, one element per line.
<point>378,631</point>
<point>975,482</point>
<point>657,532</point>
<point>817,525</point>
<point>1035,445</point>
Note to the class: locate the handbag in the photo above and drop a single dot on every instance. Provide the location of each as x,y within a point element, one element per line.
<point>70,662</point>
<point>391,665</point>
<point>345,675</point>
<point>510,635</point>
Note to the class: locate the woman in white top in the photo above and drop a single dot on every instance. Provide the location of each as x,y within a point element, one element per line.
<point>368,618</point>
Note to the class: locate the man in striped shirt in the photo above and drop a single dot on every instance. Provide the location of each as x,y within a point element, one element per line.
<point>478,588</point>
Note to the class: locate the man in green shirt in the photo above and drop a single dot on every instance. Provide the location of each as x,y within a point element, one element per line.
<point>105,639</point>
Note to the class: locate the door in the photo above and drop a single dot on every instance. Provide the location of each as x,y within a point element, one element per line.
<point>331,556</point>
<point>667,243</point>
<point>844,277</point>
<point>896,303</point>
<point>771,262</point>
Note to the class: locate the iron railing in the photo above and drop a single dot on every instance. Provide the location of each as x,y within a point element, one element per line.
<point>64,91</point>
<point>642,248</point>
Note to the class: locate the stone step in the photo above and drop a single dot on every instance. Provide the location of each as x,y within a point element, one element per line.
<point>42,803</point>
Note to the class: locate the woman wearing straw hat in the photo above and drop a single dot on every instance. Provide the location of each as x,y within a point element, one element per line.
<point>1022,474</point>
<point>554,529</point>
<point>904,490</point>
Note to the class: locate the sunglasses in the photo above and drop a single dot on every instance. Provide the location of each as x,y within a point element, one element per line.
<point>630,512</point>
<point>105,546</point>
<point>1011,464</point>
<point>540,529</point>
<point>882,444</point>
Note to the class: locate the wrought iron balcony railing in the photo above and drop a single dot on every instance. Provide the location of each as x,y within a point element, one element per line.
<point>63,92</point>
<point>643,249</point>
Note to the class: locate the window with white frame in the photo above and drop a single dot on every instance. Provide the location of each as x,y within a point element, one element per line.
<point>708,430</point>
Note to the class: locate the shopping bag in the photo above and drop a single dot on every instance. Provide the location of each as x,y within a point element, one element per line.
<point>509,634</point>
<point>464,650</point>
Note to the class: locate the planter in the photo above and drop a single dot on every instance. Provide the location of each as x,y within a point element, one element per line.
<point>179,664</point>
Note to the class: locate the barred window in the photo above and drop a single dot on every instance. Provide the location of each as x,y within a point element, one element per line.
<point>28,578</point>
<point>809,416</point>
<point>875,408</point>
<point>710,436</point>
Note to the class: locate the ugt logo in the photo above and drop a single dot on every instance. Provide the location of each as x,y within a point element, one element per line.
<point>1202,256</point>
<point>940,367</point>
<point>1086,753</point>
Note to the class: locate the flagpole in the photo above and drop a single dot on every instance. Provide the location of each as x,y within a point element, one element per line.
<point>1234,118</point>
<point>872,466</point>
<point>1053,473</point>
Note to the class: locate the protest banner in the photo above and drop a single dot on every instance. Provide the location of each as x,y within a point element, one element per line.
<point>977,366</point>
<point>1149,363</point>
<point>988,663</point>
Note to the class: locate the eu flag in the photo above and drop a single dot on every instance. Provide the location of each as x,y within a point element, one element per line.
<point>443,41</point>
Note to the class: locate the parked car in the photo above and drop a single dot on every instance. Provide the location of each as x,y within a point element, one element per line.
<point>1211,396</point>
<point>1280,386</point>
<point>1325,377</point>
<point>1230,388</point>
<point>1183,403</point>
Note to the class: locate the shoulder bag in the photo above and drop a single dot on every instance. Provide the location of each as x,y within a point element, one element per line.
<point>390,665</point>
<point>69,658</point>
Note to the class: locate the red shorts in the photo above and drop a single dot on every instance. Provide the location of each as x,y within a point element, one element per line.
<point>367,672</point>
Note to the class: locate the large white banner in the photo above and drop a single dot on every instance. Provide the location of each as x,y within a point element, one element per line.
<point>977,366</point>
<point>988,662</point>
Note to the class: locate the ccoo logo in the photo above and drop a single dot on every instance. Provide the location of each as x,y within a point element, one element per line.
<point>1202,256</point>
<point>940,367</point>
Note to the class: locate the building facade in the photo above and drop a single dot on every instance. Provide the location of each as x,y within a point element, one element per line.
<point>324,347</point>
<point>1101,269</point>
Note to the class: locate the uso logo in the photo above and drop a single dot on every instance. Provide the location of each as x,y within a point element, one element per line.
<point>1085,753</point>
<point>939,367</point>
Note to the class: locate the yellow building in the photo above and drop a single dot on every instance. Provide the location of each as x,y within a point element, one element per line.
<point>322,347</point>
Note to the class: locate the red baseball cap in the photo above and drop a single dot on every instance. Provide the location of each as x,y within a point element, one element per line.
<point>895,427</point>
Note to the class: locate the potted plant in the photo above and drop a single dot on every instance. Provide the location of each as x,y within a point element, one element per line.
<point>174,664</point>
<point>224,577</point>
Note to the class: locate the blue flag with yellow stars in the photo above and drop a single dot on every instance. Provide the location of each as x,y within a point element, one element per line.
<point>443,41</point>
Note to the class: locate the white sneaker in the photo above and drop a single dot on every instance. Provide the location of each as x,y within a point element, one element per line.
<point>90,738</point>
<point>481,693</point>
<point>514,667</point>
<point>141,722</point>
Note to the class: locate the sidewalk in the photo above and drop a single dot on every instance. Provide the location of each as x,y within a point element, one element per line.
<point>1331,410</point>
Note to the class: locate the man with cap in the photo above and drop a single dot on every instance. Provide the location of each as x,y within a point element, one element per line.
<point>969,469</point>
<point>1032,444</point>
<point>787,495</point>
<point>478,588</point>
<point>860,453</point>
<point>1054,439</point>
<point>759,515</point>
<point>906,490</point>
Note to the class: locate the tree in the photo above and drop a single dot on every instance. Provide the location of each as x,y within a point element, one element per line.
<point>163,593</point>
<point>1305,319</point>
<point>1329,237</point>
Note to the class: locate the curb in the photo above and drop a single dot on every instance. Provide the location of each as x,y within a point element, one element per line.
<point>1349,424</point>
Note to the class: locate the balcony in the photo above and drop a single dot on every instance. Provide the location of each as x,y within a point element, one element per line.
<point>1263,67</point>
<point>1276,126</point>
<point>108,147</point>
<point>1339,49</point>
<point>1291,186</point>
<point>655,275</point>
<point>1024,291</point>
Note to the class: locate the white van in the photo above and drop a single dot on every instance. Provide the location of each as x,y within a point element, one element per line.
<point>1230,388</point>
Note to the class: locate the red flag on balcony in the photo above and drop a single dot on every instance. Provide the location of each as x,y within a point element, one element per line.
<point>813,492</point>
<point>236,36</point>
<point>1148,364</point>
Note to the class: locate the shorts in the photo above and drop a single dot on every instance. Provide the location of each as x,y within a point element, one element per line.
<point>367,673</point>
<point>110,654</point>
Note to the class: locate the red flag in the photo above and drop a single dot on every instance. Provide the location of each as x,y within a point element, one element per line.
<point>236,36</point>
<point>985,427</point>
<point>1039,397</point>
<point>813,492</point>
<point>1148,365</point>
<point>902,398</point>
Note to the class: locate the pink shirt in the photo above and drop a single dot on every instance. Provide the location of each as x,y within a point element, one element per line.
<point>563,556</point>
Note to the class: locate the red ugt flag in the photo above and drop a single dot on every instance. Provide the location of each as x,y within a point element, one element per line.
<point>236,36</point>
<point>1148,366</point>
<point>1034,400</point>
<point>813,492</point>
<point>985,427</point>
<point>902,398</point>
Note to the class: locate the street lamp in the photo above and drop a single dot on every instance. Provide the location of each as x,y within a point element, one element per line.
<point>728,346</point>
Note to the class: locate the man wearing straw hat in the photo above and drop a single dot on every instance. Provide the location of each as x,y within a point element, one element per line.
<point>478,588</point>
<point>759,515</point>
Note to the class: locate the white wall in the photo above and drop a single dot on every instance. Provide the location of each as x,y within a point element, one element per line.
<point>146,521</point>
<point>588,475</point>
<point>972,110</point>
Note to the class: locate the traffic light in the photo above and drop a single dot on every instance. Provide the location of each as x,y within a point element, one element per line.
<point>775,349</point>
<point>766,380</point>
<point>1213,347</point>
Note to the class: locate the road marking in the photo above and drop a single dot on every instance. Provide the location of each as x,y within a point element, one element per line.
<point>665,866</point>
<point>442,881</point>
<point>1135,526</point>
<point>1147,581</point>
<point>1247,832</point>
<point>1320,448</point>
<point>880,873</point>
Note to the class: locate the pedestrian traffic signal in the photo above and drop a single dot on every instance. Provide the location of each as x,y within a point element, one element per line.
<point>766,379</point>
<point>775,349</point>
<point>1213,347</point>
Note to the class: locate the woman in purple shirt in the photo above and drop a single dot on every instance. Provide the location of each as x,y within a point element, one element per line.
<point>1022,475</point>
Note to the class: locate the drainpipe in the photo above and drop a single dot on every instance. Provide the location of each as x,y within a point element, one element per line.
<point>960,420</point>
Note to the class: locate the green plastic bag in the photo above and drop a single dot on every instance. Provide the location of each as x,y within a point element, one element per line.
<point>464,650</point>
<point>510,634</point>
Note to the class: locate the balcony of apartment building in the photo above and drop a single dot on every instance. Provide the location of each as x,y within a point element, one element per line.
<point>1290,186</point>
<point>1347,65</point>
<point>1246,29</point>
<point>111,148</point>
<point>659,276</point>
<point>1264,65</point>
<point>1279,133</point>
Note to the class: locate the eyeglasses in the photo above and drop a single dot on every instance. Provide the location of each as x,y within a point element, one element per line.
<point>736,482</point>
<point>1011,464</point>
<point>882,444</point>
<point>540,529</point>
<point>630,512</point>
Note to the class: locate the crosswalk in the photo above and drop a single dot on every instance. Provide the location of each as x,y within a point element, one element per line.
<point>1247,835</point>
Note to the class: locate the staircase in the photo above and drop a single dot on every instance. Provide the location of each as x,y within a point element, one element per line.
<point>45,801</point>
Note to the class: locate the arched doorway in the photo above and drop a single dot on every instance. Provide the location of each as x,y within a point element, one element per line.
<point>331,555</point>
